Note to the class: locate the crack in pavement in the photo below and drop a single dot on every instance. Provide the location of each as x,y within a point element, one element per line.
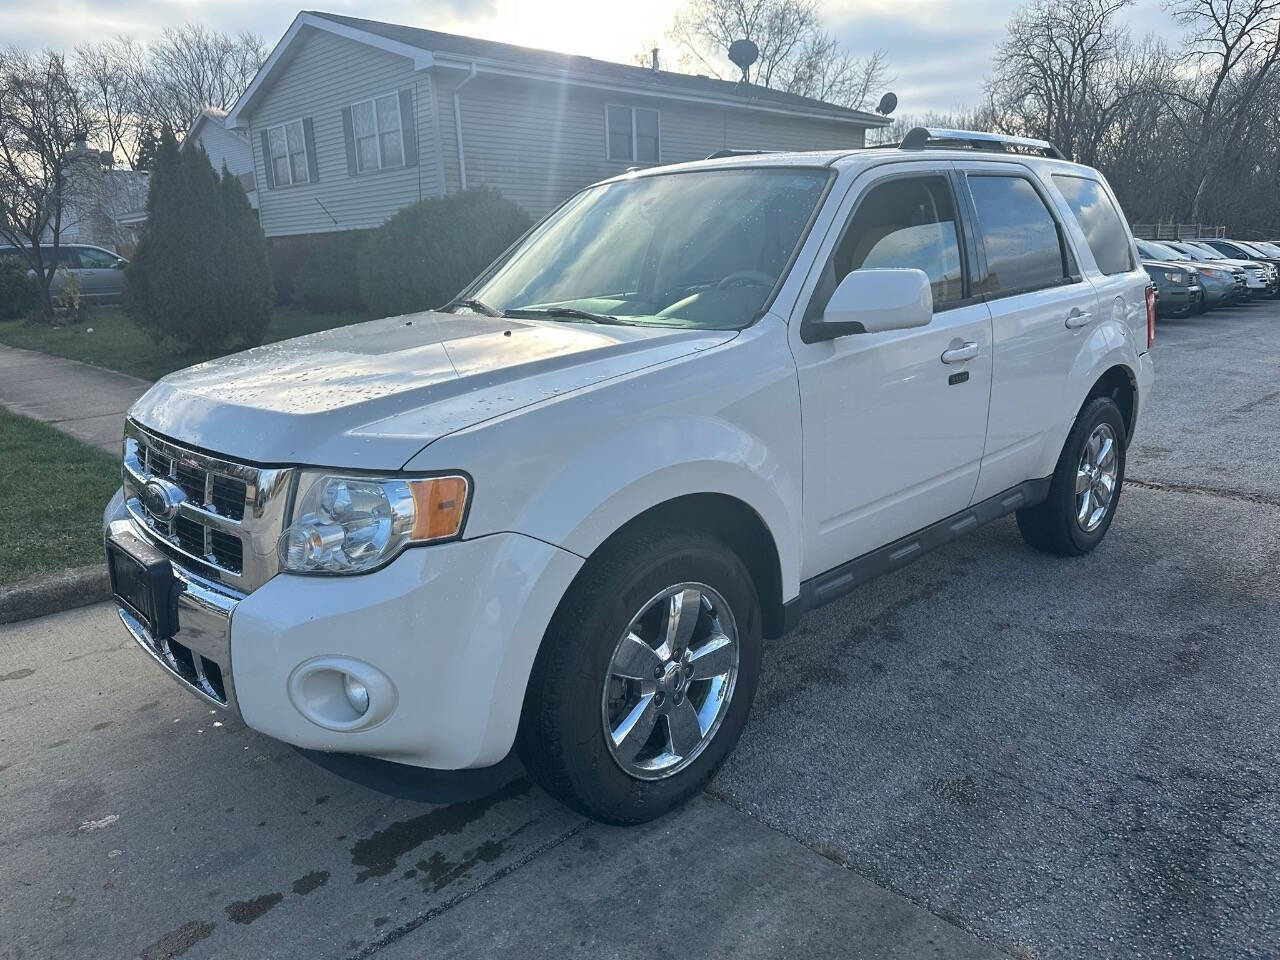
<point>1247,496</point>
<point>412,924</point>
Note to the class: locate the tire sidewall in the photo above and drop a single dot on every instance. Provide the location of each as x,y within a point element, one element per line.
<point>608,791</point>
<point>1099,410</point>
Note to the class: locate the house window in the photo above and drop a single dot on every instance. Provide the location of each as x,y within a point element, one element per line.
<point>288,147</point>
<point>631,134</point>
<point>377,128</point>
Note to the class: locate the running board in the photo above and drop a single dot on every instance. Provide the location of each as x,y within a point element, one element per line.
<point>825,587</point>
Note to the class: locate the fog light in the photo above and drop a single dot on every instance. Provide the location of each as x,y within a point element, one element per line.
<point>342,693</point>
<point>357,694</point>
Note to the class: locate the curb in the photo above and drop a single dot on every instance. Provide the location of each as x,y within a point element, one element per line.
<point>64,590</point>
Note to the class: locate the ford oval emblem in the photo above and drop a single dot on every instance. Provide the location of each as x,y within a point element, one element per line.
<point>162,498</point>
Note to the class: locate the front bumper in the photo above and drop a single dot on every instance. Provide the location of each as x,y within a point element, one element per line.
<point>446,636</point>
<point>1179,301</point>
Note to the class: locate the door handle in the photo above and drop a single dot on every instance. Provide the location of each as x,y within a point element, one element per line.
<point>1078,319</point>
<point>967,351</point>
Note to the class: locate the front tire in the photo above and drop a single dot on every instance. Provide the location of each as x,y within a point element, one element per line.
<point>1085,489</point>
<point>645,677</point>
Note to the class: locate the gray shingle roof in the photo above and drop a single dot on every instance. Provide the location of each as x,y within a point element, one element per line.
<point>642,79</point>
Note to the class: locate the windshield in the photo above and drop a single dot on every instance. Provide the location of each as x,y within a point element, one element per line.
<point>1200,251</point>
<point>1158,251</point>
<point>1270,249</point>
<point>702,249</point>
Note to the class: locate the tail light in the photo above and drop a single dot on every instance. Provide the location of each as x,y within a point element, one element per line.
<point>1151,316</point>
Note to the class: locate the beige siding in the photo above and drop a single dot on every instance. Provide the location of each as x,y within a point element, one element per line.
<point>325,74</point>
<point>536,141</point>
<point>539,142</point>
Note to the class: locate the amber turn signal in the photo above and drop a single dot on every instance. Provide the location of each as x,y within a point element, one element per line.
<point>440,503</point>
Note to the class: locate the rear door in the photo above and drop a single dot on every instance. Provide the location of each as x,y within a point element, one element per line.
<point>1106,249</point>
<point>1041,309</point>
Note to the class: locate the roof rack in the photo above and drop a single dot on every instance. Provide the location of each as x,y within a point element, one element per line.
<point>922,137</point>
<point>722,154</point>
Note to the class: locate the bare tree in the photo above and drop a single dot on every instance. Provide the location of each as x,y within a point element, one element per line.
<point>1233,49</point>
<point>190,68</point>
<point>978,118</point>
<point>824,71</point>
<point>110,74</point>
<point>796,53</point>
<point>43,121</point>
<point>1056,74</point>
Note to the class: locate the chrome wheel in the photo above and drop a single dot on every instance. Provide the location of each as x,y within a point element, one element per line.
<point>1096,478</point>
<point>670,681</point>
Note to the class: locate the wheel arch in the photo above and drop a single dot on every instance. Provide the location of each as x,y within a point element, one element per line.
<point>731,520</point>
<point>1120,383</point>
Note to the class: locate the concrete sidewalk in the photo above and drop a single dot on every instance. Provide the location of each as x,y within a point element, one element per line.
<point>85,401</point>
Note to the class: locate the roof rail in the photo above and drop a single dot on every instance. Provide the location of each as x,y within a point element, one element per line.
<point>922,137</point>
<point>722,154</point>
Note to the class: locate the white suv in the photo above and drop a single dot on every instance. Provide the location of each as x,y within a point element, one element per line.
<point>564,513</point>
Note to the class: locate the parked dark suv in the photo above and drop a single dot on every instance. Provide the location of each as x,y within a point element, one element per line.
<point>1178,290</point>
<point>1223,285</point>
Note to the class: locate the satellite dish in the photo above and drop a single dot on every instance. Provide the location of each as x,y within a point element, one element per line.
<point>888,103</point>
<point>743,53</point>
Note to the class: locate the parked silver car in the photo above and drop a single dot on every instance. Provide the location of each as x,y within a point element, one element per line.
<point>99,272</point>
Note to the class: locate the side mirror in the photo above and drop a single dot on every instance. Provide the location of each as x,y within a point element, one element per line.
<point>873,301</point>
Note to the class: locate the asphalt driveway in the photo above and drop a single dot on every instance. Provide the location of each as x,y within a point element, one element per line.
<point>992,753</point>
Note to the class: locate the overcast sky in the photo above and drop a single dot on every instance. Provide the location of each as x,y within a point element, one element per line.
<point>939,50</point>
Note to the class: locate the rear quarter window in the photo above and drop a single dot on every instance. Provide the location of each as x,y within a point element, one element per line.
<point>1103,228</point>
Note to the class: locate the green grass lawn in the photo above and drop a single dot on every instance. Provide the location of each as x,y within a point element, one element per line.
<point>52,492</point>
<point>117,344</point>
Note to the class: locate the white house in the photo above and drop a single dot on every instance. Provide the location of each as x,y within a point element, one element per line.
<point>351,120</point>
<point>97,202</point>
<point>224,146</point>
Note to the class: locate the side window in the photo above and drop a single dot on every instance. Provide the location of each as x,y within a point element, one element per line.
<point>1024,248</point>
<point>91,259</point>
<point>903,223</point>
<point>1103,229</point>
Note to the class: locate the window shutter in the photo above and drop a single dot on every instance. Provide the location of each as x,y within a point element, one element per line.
<point>309,138</point>
<point>349,134</point>
<point>266,161</point>
<point>408,129</point>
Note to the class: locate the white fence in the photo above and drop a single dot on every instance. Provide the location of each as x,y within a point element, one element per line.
<point>1176,231</point>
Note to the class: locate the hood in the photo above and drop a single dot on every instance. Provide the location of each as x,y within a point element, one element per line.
<point>370,396</point>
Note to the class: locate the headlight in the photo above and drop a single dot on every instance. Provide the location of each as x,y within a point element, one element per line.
<point>1173,277</point>
<point>356,524</point>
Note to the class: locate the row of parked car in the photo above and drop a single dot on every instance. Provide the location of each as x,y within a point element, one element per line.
<point>1192,276</point>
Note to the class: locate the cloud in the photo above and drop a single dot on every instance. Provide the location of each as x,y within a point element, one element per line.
<point>939,50</point>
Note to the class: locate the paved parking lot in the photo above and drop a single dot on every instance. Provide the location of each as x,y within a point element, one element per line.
<point>993,753</point>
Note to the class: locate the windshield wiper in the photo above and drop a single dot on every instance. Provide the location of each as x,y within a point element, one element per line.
<point>574,313</point>
<point>477,305</point>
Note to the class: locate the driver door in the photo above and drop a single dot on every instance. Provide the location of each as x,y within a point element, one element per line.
<point>100,274</point>
<point>893,432</point>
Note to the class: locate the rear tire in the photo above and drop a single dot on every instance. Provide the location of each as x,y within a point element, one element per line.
<point>1084,492</point>
<point>685,692</point>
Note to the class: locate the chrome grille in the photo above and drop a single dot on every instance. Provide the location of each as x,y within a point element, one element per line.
<point>227,526</point>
